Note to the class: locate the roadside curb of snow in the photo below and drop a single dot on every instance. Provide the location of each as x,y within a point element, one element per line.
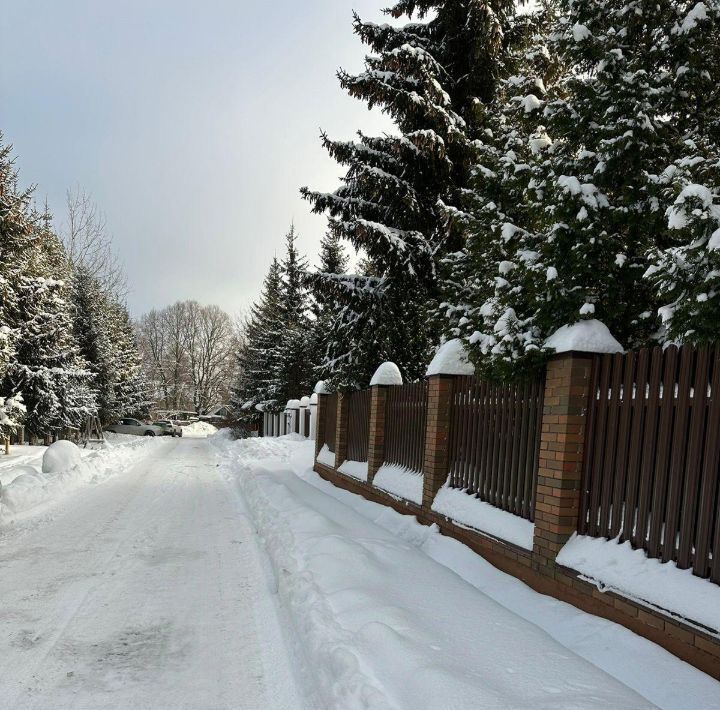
<point>32,489</point>
<point>341,680</point>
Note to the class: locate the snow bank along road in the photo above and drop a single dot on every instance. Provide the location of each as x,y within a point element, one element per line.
<point>146,591</point>
<point>151,590</point>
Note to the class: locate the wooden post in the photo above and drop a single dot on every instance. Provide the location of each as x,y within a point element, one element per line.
<point>436,461</point>
<point>562,443</point>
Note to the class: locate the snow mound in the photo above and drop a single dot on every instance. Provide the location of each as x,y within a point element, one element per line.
<point>31,487</point>
<point>199,429</point>
<point>587,336</point>
<point>400,482</point>
<point>618,567</point>
<point>467,510</point>
<point>451,359</point>
<point>387,374</point>
<point>60,456</point>
<point>320,388</point>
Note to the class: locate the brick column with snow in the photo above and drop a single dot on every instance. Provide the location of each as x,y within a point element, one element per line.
<point>320,396</point>
<point>562,439</point>
<point>387,375</point>
<point>451,361</point>
<point>341,427</point>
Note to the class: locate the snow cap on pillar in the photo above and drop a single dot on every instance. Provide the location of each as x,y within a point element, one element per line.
<point>451,359</point>
<point>305,402</point>
<point>586,336</point>
<point>320,388</point>
<point>387,374</point>
<point>313,398</point>
<point>292,404</point>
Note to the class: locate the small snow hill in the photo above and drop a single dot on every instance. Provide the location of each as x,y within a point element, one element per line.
<point>199,429</point>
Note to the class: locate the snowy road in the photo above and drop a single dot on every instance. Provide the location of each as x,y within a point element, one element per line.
<point>147,591</point>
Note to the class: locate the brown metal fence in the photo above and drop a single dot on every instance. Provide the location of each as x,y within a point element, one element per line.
<point>495,440</point>
<point>406,407</point>
<point>652,463</point>
<point>330,420</point>
<point>306,423</point>
<point>358,426</point>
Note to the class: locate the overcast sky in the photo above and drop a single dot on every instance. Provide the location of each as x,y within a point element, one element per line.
<point>192,124</point>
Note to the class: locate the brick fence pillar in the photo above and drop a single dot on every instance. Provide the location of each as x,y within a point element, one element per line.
<point>436,461</point>
<point>320,422</point>
<point>376,436</point>
<point>341,427</point>
<point>562,440</point>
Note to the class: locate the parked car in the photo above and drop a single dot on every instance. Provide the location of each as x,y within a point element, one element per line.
<point>170,428</point>
<point>134,426</point>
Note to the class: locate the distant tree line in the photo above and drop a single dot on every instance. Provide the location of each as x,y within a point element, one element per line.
<point>67,344</point>
<point>549,166</point>
<point>189,351</point>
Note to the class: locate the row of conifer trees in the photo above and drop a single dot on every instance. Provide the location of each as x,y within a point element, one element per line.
<point>67,345</point>
<point>549,164</point>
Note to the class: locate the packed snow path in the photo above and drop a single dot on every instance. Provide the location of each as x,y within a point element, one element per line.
<point>147,591</point>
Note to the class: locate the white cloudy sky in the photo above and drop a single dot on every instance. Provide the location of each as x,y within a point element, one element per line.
<point>193,124</point>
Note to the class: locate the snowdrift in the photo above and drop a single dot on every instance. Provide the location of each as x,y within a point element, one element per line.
<point>64,467</point>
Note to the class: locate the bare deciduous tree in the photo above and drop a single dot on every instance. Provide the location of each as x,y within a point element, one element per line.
<point>88,244</point>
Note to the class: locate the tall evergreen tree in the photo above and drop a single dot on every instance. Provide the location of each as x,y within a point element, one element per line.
<point>432,77</point>
<point>258,358</point>
<point>590,187</point>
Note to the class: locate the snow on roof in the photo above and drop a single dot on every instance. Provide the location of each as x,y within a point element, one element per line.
<point>587,336</point>
<point>451,359</point>
<point>304,401</point>
<point>320,388</point>
<point>387,374</point>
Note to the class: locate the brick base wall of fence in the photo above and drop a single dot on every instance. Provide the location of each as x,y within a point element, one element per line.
<point>559,489</point>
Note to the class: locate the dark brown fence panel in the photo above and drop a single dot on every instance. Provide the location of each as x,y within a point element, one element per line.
<point>358,426</point>
<point>330,421</point>
<point>652,463</point>
<point>406,409</point>
<point>306,422</point>
<point>494,441</point>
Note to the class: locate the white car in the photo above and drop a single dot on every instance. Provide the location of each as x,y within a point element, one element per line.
<point>169,427</point>
<point>134,426</point>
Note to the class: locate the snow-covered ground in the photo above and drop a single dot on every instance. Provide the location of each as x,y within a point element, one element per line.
<point>210,573</point>
<point>147,591</point>
<point>389,613</point>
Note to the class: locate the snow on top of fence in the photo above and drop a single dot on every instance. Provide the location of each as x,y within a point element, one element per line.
<point>587,336</point>
<point>305,401</point>
<point>320,388</point>
<point>387,374</point>
<point>313,398</point>
<point>292,404</point>
<point>451,359</point>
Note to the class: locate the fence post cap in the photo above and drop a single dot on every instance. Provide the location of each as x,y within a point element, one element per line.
<point>292,404</point>
<point>313,398</point>
<point>585,336</point>
<point>305,401</point>
<point>388,373</point>
<point>451,358</point>
<point>320,388</point>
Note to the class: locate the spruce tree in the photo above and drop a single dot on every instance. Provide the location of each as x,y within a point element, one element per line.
<point>431,77</point>
<point>686,271</point>
<point>592,190</point>
<point>258,358</point>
